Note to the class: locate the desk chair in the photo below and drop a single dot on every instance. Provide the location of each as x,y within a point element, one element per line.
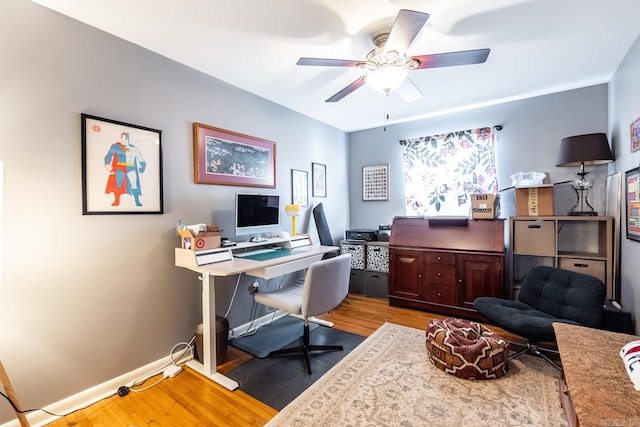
<point>323,288</point>
<point>547,295</point>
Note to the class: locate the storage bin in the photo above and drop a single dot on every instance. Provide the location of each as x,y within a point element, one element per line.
<point>585,266</point>
<point>536,237</point>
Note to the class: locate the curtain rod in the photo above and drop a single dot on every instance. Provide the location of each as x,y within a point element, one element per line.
<point>497,128</point>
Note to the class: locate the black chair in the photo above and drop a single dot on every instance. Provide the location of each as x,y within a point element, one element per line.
<point>323,230</point>
<point>547,295</point>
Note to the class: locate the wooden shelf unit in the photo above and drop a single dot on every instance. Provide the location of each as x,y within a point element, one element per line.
<point>578,243</point>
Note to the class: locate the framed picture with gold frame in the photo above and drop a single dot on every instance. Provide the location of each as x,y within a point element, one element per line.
<point>229,158</point>
<point>635,134</point>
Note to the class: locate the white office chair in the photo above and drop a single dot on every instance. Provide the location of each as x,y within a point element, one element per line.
<point>323,288</point>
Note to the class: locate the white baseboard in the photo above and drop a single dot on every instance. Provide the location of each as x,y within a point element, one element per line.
<point>94,394</point>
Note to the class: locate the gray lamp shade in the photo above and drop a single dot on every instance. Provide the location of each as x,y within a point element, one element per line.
<point>590,149</point>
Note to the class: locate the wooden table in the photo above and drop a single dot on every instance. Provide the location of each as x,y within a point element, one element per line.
<point>600,393</point>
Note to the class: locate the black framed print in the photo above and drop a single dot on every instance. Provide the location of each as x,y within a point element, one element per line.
<point>121,168</point>
<point>632,202</point>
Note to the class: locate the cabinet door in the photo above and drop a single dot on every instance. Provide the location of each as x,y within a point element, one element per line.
<point>479,276</point>
<point>405,279</point>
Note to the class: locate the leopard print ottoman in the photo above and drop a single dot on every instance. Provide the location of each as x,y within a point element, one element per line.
<point>467,349</point>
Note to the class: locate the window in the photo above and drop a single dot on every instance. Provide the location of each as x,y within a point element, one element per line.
<point>441,171</point>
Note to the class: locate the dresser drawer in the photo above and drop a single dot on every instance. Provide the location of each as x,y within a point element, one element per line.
<point>442,274</point>
<point>585,266</point>
<point>440,258</point>
<point>441,294</point>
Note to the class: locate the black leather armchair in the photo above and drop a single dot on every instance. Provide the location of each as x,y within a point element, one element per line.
<point>547,295</point>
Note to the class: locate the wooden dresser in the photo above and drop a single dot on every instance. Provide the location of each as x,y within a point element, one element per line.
<point>596,390</point>
<point>443,265</point>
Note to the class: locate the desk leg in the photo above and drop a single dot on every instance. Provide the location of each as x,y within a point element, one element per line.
<point>208,368</point>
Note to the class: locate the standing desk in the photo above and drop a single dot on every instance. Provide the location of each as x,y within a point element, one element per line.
<point>227,265</point>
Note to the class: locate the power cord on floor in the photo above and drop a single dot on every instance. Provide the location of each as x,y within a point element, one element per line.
<point>188,346</point>
<point>124,390</point>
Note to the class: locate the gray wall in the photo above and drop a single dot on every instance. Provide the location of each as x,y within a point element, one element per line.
<point>85,299</point>
<point>529,141</point>
<point>624,108</point>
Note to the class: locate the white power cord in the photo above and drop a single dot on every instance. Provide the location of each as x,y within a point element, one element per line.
<point>169,370</point>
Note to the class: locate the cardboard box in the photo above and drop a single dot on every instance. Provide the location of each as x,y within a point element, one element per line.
<point>209,239</point>
<point>485,206</point>
<point>534,201</point>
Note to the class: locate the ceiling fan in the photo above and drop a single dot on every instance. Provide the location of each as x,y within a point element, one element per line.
<point>387,63</point>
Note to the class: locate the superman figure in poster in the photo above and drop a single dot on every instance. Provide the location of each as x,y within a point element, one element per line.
<point>125,164</point>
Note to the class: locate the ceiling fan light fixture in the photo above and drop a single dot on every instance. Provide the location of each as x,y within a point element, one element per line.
<point>387,79</point>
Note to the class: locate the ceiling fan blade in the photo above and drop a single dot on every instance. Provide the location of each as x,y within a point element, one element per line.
<point>347,90</point>
<point>409,91</point>
<point>325,62</point>
<point>450,59</point>
<point>405,29</point>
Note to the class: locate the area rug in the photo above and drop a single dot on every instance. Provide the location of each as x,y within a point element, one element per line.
<point>388,380</point>
<point>278,380</point>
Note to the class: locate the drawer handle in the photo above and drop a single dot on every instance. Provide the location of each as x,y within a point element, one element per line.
<point>376,249</point>
<point>439,294</point>
<point>439,274</point>
<point>581,265</point>
<point>534,226</point>
<point>375,276</point>
<point>351,249</point>
<point>439,258</point>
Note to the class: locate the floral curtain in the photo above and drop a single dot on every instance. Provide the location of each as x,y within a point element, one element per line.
<point>441,171</point>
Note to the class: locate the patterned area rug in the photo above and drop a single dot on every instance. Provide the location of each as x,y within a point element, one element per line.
<point>388,380</point>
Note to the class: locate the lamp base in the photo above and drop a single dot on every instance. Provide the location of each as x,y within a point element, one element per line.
<point>591,213</point>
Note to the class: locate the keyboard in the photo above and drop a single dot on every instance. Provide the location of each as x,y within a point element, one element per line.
<point>256,252</point>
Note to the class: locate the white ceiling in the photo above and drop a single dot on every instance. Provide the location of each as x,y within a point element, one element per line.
<point>537,47</point>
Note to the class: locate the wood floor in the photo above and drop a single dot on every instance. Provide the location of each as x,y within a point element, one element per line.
<point>191,400</point>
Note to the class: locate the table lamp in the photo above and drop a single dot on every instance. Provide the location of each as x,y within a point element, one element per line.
<point>293,210</point>
<point>581,150</point>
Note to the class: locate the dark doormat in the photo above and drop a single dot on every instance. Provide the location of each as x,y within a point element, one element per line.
<point>278,380</point>
<point>272,337</point>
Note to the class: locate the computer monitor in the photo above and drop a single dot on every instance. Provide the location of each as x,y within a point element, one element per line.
<point>257,213</point>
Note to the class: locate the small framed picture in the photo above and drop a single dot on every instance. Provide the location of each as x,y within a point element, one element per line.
<point>635,135</point>
<point>375,182</point>
<point>319,180</point>
<point>121,168</point>
<point>299,187</point>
